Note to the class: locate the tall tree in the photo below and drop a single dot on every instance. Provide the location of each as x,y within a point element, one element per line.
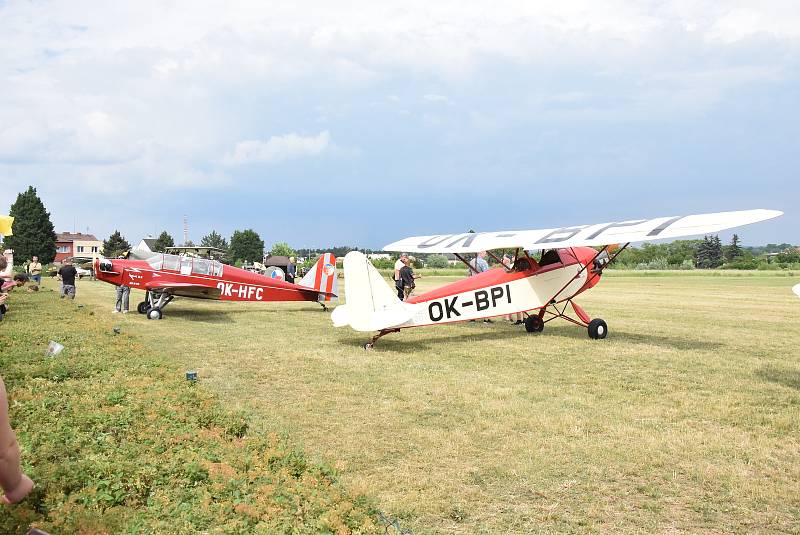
<point>213,239</point>
<point>709,253</point>
<point>247,245</point>
<point>733,251</point>
<point>115,245</point>
<point>33,231</point>
<point>282,249</point>
<point>163,241</point>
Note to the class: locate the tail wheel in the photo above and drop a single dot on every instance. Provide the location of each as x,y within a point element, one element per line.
<point>597,329</point>
<point>534,324</point>
<point>142,307</point>
<point>154,314</point>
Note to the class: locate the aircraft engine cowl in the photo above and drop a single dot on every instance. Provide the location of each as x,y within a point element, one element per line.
<point>106,265</point>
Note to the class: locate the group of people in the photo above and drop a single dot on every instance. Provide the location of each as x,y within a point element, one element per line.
<point>404,277</point>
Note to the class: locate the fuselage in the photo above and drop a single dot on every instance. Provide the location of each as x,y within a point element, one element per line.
<point>198,278</point>
<point>562,274</point>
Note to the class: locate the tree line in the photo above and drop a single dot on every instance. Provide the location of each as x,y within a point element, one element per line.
<point>34,234</point>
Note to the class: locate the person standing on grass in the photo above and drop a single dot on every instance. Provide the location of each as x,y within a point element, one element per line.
<point>479,264</point>
<point>123,296</point>
<point>67,273</point>
<point>15,484</point>
<point>291,270</point>
<point>398,282</point>
<point>407,278</point>
<point>35,270</point>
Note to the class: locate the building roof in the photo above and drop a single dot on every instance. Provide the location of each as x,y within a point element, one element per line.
<point>74,236</point>
<point>150,242</point>
<point>276,260</point>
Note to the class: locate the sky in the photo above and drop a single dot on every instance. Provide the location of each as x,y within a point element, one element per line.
<point>362,122</point>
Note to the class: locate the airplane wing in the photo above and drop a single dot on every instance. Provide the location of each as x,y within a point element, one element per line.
<point>185,290</point>
<point>586,235</point>
<point>796,289</point>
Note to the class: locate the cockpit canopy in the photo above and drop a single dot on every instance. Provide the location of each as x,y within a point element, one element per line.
<point>187,265</point>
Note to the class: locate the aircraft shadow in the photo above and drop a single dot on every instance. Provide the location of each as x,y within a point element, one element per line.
<point>395,342</point>
<point>782,376</point>
<point>203,316</point>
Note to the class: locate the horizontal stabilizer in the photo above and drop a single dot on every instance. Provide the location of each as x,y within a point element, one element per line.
<point>659,228</point>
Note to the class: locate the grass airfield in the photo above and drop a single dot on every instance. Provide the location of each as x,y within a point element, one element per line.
<point>685,419</point>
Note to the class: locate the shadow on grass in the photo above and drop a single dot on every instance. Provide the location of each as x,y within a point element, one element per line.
<point>203,316</point>
<point>783,376</point>
<point>503,331</point>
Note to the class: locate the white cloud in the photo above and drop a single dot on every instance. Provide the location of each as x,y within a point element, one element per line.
<point>278,148</point>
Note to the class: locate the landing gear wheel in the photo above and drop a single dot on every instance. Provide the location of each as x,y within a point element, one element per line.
<point>597,329</point>
<point>154,314</point>
<point>368,346</point>
<point>142,307</point>
<point>534,324</point>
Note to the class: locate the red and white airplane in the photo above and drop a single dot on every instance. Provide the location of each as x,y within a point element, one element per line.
<point>542,288</point>
<point>165,276</point>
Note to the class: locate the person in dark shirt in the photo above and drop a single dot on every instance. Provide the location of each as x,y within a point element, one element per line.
<point>291,270</point>
<point>407,277</point>
<point>67,273</point>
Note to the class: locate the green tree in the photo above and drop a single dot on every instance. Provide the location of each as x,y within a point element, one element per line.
<point>115,245</point>
<point>709,253</point>
<point>282,249</point>
<point>437,261</point>
<point>733,251</point>
<point>163,241</point>
<point>33,231</point>
<point>247,245</point>
<point>213,239</point>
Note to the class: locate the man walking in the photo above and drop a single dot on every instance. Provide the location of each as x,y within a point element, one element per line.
<point>67,273</point>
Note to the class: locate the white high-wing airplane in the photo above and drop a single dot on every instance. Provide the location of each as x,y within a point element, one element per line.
<point>796,289</point>
<point>542,288</point>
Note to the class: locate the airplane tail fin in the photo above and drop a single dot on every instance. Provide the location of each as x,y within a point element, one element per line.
<point>371,303</point>
<point>322,278</point>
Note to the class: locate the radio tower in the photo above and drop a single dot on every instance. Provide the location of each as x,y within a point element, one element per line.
<point>185,230</point>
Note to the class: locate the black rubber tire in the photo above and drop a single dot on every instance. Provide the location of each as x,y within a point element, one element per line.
<point>534,324</point>
<point>597,329</point>
<point>141,308</point>
<point>154,314</point>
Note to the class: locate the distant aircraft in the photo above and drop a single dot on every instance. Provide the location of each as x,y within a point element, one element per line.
<point>542,288</point>
<point>796,289</point>
<point>164,277</point>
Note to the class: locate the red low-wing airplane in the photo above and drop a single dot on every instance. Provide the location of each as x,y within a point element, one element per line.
<point>543,289</point>
<point>164,277</point>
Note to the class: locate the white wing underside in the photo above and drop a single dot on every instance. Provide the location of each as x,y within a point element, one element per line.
<point>796,290</point>
<point>659,228</point>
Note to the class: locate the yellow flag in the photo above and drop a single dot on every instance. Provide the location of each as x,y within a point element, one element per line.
<point>5,225</point>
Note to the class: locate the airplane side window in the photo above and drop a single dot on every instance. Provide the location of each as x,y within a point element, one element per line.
<point>171,262</point>
<point>186,265</point>
<point>201,267</point>
<point>216,268</point>
<point>155,261</point>
<point>550,257</point>
<point>522,264</point>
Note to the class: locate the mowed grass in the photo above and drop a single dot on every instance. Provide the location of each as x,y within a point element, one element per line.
<point>685,419</point>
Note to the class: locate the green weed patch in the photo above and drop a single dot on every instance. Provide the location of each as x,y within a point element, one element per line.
<point>118,441</point>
